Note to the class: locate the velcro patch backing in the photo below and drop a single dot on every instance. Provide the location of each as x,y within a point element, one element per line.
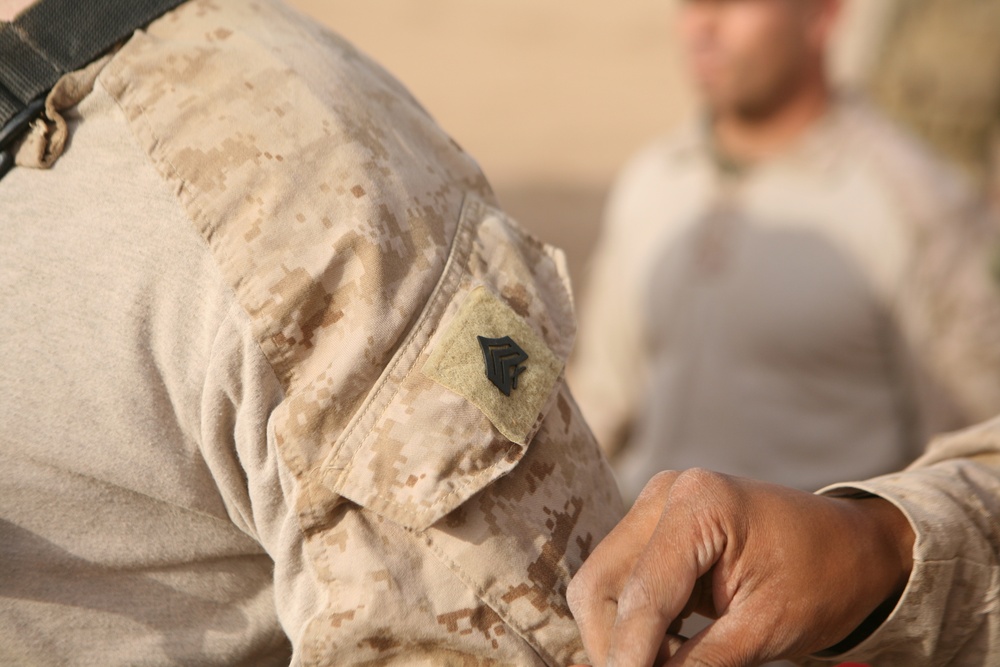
<point>457,363</point>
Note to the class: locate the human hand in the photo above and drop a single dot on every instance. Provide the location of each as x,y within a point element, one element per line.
<point>785,573</point>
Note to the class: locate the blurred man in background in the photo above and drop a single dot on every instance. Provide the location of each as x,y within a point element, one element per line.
<point>790,289</point>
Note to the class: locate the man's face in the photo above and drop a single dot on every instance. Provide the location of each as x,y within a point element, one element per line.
<point>747,56</point>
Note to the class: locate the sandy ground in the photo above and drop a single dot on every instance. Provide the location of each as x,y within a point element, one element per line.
<point>551,97</point>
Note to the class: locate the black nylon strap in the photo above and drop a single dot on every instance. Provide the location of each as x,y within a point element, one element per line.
<point>54,37</point>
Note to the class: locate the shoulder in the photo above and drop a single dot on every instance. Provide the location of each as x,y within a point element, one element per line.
<point>418,335</point>
<point>325,192</point>
<point>664,156</point>
<point>922,184</point>
<point>658,172</point>
<point>353,230</point>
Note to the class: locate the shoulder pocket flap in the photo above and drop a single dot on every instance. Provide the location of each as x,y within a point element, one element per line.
<point>468,389</point>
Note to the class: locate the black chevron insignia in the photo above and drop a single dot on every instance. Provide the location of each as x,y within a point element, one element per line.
<point>503,359</point>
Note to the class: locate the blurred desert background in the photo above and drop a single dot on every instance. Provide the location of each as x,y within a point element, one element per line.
<point>550,97</point>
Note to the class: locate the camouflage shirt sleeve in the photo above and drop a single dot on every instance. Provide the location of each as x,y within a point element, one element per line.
<point>947,307</point>
<point>948,47</point>
<point>949,614</point>
<point>441,504</point>
<point>948,310</point>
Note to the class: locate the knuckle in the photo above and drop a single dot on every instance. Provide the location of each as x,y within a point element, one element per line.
<point>702,475</point>
<point>699,480</point>
<point>639,598</point>
<point>664,477</point>
<point>660,483</point>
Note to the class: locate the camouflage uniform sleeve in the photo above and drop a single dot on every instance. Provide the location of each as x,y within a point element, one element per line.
<point>438,516</point>
<point>937,74</point>
<point>948,304</point>
<point>949,614</point>
<point>449,517</point>
<point>949,311</point>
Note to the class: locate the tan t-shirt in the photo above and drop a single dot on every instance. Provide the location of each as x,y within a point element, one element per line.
<point>813,318</point>
<point>245,415</point>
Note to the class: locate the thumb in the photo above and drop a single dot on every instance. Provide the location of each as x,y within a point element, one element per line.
<point>731,641</point>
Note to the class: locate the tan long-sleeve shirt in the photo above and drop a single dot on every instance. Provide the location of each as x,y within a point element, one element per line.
<point>808,319</point>
<point>244,414</point>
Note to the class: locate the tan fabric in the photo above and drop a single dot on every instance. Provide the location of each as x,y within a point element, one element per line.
<point>857,43</point>
<point>45,139</point>
<point>949,615</point>
<point>939,74</point>
<point>457,363</point>
<point>934,67</point>
<point>220,445</point>
<point>810,319</point>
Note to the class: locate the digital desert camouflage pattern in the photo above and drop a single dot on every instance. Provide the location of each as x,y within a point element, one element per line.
<point>949,614</point>
<point>416,523</point>
<point>938,73</point>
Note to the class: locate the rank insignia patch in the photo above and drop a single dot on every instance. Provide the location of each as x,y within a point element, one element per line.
<point>521,372</point>
<point>503,360</point>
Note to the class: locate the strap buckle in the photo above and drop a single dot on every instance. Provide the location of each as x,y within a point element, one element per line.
<point>12,130</point>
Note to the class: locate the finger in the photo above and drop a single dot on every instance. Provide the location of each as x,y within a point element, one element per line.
<point>640,627</point>
<point>670,646</point>
<point>593,593</point>
<point>728,642</point>
<point>661,584</point>
<point>699,602</point>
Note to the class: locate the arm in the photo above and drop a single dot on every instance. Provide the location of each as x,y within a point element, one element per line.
<point>948,612</point>
<point>790,574</point>
<point>948,307</point>
<point>435,526</point>
<point>469,510</point>
<point>412,510</point>
<point>607,346</point>
<point>606,371</point>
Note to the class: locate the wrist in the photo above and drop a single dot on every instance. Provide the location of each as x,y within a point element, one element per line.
<point>885,549</point>
<point>893,539</point>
